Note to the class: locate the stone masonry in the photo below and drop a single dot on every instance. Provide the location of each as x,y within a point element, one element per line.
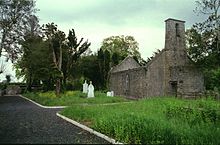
<point>169,73</point>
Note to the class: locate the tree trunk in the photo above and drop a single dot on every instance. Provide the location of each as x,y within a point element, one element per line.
<point>58,80</point>
<point>59,65</point>
<point>58,84</point>
<point>60,58</point>
<point>2,41</point>
<point>29,82</point>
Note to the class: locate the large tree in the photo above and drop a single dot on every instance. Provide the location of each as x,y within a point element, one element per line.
<point>14,17</point>
<point>35,63</point>
<point>203,38</point>
<point>72,52</point>
<point>203,41</point>
<point>122,45</point>
<point>211,8</point>
<point>56,39</point>
<point>33,47</point>
<point>104,61</point>
<point>87,68</point>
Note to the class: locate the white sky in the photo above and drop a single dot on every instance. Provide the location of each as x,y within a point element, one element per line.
<point>96,20</point>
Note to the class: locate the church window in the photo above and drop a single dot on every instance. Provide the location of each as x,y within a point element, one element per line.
<point>127,82</point>
<point>177,30</point>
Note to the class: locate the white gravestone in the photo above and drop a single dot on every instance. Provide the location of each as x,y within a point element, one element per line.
<point>110,93</point>
<point>85,87</point>
<point>91,90</point>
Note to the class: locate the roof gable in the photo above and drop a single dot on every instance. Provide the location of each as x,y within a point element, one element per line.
<point>126,64</point>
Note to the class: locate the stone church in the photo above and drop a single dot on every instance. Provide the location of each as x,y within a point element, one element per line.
<point>168,73</point>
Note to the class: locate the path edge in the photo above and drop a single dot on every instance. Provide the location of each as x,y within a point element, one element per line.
<point>111,140</point>
<point>48,107</point>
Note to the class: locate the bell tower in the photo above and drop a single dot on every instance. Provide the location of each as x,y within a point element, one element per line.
<point>175,54</point>
<point>175,44</point>
<point>175,34</point>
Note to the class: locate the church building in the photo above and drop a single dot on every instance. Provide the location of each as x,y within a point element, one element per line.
<point>168,73</point>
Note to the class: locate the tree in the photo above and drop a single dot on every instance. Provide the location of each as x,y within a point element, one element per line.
<point>89,66</point>
<point>2,67</point>
<point>72,52</point>
<point>203,41</point>
<point>35,63</point>
<point>56,40</point>
<point>107,62</point>
<point>122,45</point>
<point>104,61</point>
<point>212,23</point>
<point>113,50</point>
<point>101,66</point>
<point>115,58</point>
<point>14,16</point>
<point>202,48</point>
<point>32,47</point>
<point>204,37</point>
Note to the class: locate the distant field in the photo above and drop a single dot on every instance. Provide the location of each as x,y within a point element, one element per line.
<point>154,121</point>
<point>72,97</point>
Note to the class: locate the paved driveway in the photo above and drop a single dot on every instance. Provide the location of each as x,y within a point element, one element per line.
<point>24,122</point>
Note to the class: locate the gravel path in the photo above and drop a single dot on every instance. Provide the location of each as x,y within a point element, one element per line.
<point>22,122</point>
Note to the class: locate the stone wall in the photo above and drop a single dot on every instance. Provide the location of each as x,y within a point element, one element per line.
<point>129,83</point>
<point>13,90</point>
<point>155,76</point>
<point>169,73</point>
<point>151,81</point>
<point>190,82</point>
<point>127,63</point>
<point>140,82</point>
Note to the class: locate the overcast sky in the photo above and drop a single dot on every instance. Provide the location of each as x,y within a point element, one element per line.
<point>96,20</point>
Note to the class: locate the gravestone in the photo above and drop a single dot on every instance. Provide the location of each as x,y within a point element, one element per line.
<point>85,87</point>
<point>91,90</point>
<point>110,93</point>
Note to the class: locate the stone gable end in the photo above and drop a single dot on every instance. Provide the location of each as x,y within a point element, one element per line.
<point>126,64</point>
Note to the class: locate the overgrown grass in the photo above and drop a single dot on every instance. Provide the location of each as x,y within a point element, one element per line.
<point>71,97</point>
<point>154,121</point>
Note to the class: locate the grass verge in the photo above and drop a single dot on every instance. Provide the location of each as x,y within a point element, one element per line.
<point>72,97</point>
<point>154,121</point>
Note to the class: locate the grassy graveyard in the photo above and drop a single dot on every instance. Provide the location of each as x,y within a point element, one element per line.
<point>72,97</point>
<point>160,120</point>
<point>154,121</point>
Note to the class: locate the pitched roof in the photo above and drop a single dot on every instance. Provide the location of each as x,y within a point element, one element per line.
<point>128,63</point>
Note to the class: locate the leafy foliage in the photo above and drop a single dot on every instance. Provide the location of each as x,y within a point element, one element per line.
<point>203,41</point>
<point>71,54</point>
<point>123,46</point>
<point>15,14</point>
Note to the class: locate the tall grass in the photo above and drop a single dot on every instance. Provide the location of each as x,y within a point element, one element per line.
<point>154,121</point>
<point>71,98</point>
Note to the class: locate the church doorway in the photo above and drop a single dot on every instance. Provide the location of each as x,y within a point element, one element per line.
<point>173,88</point>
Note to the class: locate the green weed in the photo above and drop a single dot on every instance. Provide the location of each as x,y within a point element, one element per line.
<point>72,97</point>
<point>154,121</point>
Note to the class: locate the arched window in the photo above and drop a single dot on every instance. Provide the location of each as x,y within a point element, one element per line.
<point>127,85</point>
